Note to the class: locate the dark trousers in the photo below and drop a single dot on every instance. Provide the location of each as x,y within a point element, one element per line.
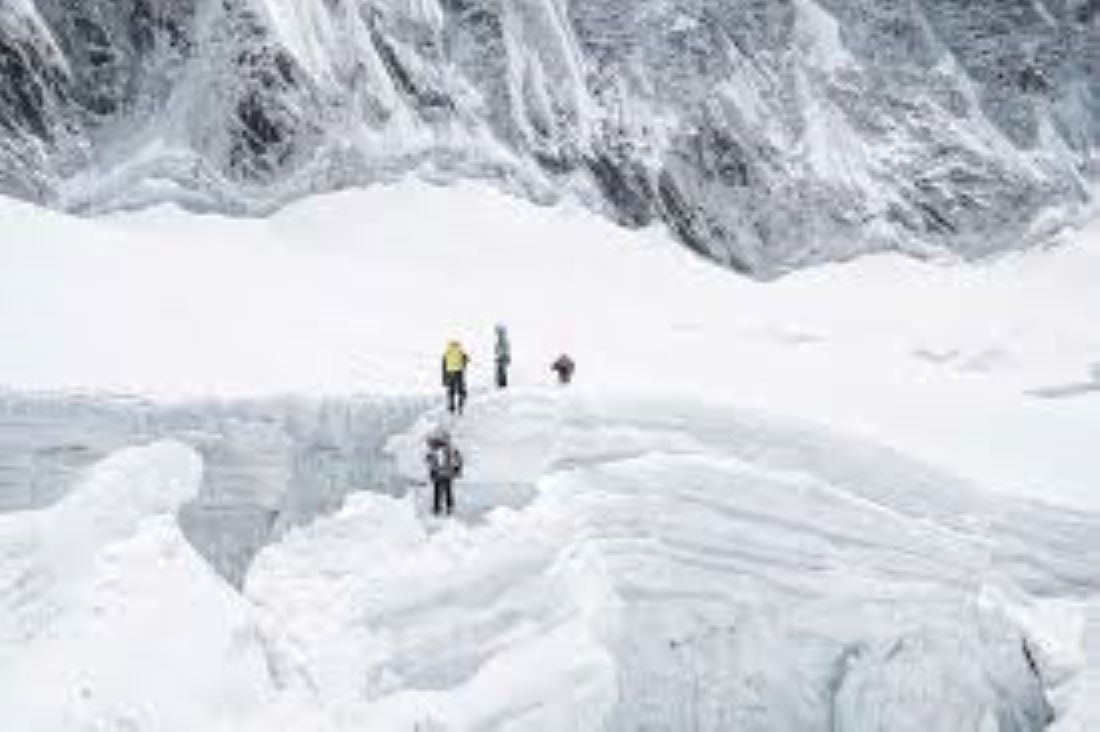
<point>443,498</point>
<point>456,391</point>
<point>502,374</point>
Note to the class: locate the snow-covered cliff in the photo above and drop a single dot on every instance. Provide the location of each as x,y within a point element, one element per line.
<point>769,134</point>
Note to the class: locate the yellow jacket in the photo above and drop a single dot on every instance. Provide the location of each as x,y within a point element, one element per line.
<point>454,359</point>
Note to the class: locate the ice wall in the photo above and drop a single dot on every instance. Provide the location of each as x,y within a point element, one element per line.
<point>267,466</point>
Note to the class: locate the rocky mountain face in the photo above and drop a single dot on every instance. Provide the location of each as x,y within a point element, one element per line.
<point>768,134</point>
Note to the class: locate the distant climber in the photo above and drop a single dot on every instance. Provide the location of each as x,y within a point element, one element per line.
<point>444,463</point>
<point>503,354</point>
<point>455,362</point>
<point>564,367</point>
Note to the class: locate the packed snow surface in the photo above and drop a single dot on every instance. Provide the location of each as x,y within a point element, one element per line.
<point>862,498</point>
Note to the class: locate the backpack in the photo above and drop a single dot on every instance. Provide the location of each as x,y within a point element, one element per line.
<point>444,461</point>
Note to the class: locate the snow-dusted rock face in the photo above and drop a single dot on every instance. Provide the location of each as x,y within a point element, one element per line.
<point>769,134</point>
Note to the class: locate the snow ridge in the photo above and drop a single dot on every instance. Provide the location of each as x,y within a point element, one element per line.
<point>617,562</point>
<point>676,567</point>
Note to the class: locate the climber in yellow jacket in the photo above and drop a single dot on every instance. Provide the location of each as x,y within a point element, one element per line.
<point>455,361</point>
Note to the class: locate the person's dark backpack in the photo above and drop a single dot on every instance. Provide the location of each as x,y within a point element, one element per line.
<point>445,461</point>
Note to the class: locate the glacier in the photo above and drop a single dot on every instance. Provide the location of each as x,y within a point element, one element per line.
<point>767,134</point>
<point>267,465</point>
<point>617,562</point>
<point>862,497</point>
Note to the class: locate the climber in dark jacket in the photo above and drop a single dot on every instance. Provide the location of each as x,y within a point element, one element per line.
<point>444,463</point>
<point>564,368</point>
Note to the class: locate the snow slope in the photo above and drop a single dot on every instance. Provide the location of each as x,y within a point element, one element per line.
<point>862,498</point>
<point>358,292</point>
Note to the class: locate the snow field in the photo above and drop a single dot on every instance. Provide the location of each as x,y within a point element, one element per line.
<point>358,291</point>
<point>746,516</point>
